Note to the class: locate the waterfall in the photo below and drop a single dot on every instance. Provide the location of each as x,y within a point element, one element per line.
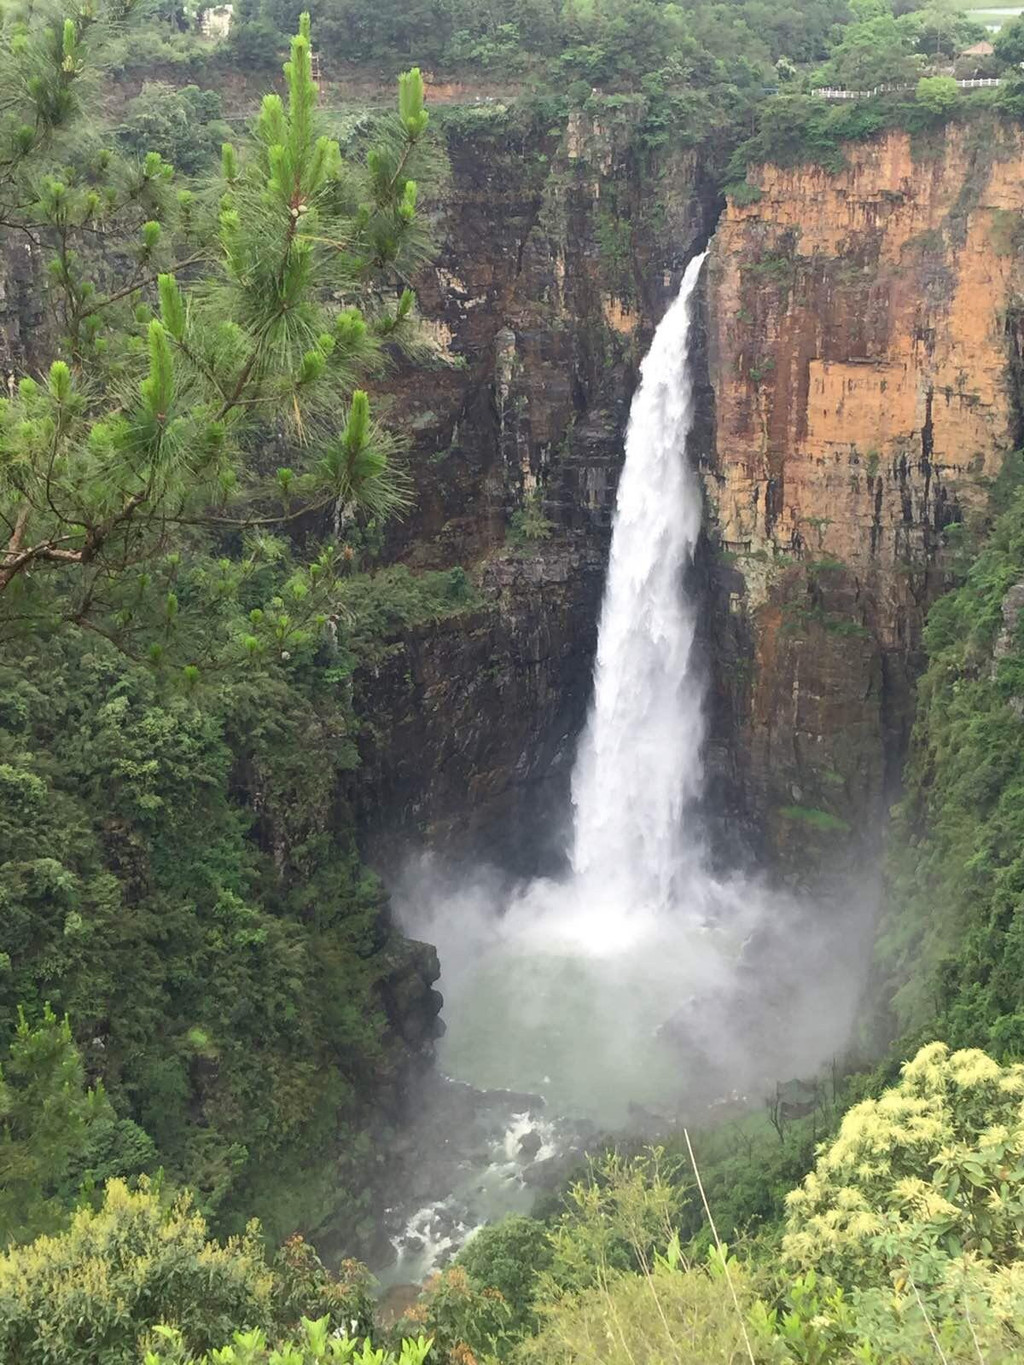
<point>639,760</point>
<point>640,980</point>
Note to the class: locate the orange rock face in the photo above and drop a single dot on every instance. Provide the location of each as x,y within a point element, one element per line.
<point>861,328</point>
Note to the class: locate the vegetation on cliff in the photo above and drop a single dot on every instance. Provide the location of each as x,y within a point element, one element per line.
<point>190,493</point>
<point>198,978</point>
<point>736,78</point>
<point>949,954</point>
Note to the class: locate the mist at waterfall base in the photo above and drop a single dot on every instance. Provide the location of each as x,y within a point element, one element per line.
<point>638,984</point>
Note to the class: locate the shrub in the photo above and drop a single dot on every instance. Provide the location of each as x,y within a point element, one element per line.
<point>57,1138</point>
<point>950,956</point>
<point>98,1293</point>
<point>528,523</point>
<point>670,1313</point>
<point>930,1172</point>
<point>93,1294</point>
<point>463,1319</point>
<point>508,1257</point>
<point>939,94</point>
<point>182,125</point>
<point>312,1346</point>
<point>743,194</point>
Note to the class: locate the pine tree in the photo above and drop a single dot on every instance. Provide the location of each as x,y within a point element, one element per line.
<point>49,1125</point>
<point>256,308</point>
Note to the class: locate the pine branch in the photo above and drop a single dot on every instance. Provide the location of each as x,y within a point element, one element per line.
<point>136,285</point>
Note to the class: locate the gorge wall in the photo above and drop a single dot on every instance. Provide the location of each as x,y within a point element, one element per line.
<point>559,247</point>
<point>862,336</point>
<point>860,341</point>
<point>861,344</point>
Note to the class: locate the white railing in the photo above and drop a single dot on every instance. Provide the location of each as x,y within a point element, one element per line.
<point>829,92</point>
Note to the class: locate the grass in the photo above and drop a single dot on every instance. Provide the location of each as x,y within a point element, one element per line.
<point>817,819</point>
<point>993,16</point>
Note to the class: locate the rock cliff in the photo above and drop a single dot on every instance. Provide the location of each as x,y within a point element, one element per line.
<point>559,246</point>
<point>862,339</point>
<point>862,335</point>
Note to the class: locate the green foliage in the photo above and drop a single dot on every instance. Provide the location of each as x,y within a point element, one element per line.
<point>528,523</point>
<point>304,1288</point>
<point>91,1295</point>
<point>668,1313</point>
<point>821,820</point>
<point>1009,42</point>
<point>902,1245</point>
<point>465,1320</point>
<point>949,951</point>
<point>57,1138</point>
<point>874,51</point>
<point>502,1286</point>
<point>743,194</point>
<point>314,1344</point>
<point>485,1301</point>
<point>178,869</point>
<point>908,1232</point>
<point>178,872</point>
<point>141,1270</point>
<point>877,51</point>
<point>938,94</point>
<point>615,1219</point>
<point>508,1256</point>
<point>702,67</point>
<point>299,263</point>
<point>748,1170</point>
<point>916,1213</point>
<point>930,1171</point>
<point>182,124</point>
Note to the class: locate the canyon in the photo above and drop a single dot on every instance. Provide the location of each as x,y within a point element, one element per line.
<point>854,355</point>
<point>860,339</point>
<point>860,335</point>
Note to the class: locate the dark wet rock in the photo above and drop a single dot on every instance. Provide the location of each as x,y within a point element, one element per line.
<point>550,331</point>
<point>553,1171</point>
<point>530,1144</point>
<point>646,1121</point>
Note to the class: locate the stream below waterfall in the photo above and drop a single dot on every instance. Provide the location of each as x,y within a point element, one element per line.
<point>638,989</point>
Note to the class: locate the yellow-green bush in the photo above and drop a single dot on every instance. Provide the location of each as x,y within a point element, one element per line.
<point>916,1210</point>
<point>91,1295</point>
<point>672,1314</point>
<point>314,1344</point>
<point>933,1168</point>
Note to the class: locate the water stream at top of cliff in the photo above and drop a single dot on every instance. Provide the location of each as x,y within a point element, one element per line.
<point>618,992</point>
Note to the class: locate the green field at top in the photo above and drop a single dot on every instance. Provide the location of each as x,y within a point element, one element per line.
<point>992,18</point>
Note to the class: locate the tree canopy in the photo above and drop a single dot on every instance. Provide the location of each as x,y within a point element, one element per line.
<point>251,311</point>
<point>191,481</point>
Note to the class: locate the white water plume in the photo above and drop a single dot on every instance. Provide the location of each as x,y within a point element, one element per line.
<point>639,762</point>
<point>632,981</point>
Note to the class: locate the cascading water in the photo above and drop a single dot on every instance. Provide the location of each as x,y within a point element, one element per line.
<point>639,762</point>
<point>562,995</point>
<point>638,988</point>
<point>564,992</point>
